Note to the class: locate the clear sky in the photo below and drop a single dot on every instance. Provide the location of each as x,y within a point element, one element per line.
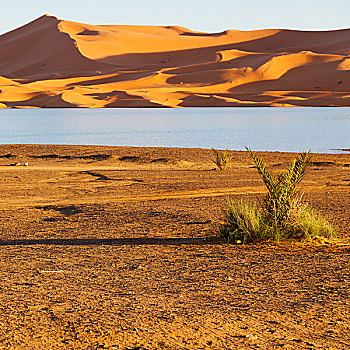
<point>201,15</point>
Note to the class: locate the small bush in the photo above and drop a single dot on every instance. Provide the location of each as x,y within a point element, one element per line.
<point>222,158</point>
<point>312,224</point>
<point>242,222</point>
<point>283,201</point>
<point>283,214</point>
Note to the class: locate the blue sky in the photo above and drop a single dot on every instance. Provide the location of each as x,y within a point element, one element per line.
<point>201,15</point>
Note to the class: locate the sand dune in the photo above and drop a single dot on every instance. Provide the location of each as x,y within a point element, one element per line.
<point>55,63</point>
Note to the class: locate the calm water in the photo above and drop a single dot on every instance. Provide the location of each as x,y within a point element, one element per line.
<point>272,129</point>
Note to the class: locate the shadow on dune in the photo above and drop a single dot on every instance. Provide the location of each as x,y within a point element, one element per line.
<point>43,100</point>
<point>204,34</point>
<point>285,41</point>
<point>306,78</point>
<point>98,242</point>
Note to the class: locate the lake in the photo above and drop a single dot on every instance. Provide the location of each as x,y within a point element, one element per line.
<point>323,130</point>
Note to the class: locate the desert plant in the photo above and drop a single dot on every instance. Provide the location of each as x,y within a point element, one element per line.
<point>222,158</point>
<point>242,222</point>
<point>283,214</point>
<point>283,201</point>
<point>311,224</point>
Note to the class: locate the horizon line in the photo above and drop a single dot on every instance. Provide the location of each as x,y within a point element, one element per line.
<point>186,27</point>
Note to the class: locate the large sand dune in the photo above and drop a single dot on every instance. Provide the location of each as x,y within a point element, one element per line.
<point>54,63</point>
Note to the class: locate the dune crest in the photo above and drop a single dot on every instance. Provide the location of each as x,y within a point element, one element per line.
<point>51,62</point>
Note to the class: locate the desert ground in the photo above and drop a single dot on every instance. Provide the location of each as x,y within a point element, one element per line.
<point>117,248</point>
<point>51,62</point>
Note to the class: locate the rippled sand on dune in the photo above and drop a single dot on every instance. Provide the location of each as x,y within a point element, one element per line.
<point>55,63</point>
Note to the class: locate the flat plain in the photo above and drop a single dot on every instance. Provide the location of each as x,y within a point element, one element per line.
<point>116,248</point>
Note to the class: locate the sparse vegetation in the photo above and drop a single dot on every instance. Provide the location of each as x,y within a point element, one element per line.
<point>222,158</point>
<point>282,214</point>
<point>312,224</point>
<point>242,222</point>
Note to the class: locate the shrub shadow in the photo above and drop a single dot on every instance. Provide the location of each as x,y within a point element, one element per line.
<point>99,242</point>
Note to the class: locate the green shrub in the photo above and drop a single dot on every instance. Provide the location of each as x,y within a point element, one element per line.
<point>222,158</point>
<point>242,222</point>
<point>312,224</point>
<point>283,200</point>
<point>282,215</point>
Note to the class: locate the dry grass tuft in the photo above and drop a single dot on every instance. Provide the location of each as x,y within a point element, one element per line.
<point>222,159</point>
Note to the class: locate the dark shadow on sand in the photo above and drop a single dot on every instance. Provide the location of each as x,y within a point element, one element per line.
<point>98,242</point>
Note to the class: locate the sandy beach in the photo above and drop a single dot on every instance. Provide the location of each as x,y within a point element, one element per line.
<point>114,248</point>
<point>55,63</point>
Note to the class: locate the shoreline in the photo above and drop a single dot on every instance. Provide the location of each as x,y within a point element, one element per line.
<point>340,151</point>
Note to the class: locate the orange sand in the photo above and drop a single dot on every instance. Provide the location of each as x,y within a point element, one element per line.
<point>54,63</point>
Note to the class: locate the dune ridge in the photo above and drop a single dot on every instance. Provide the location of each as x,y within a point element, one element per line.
<point>55,63</point>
